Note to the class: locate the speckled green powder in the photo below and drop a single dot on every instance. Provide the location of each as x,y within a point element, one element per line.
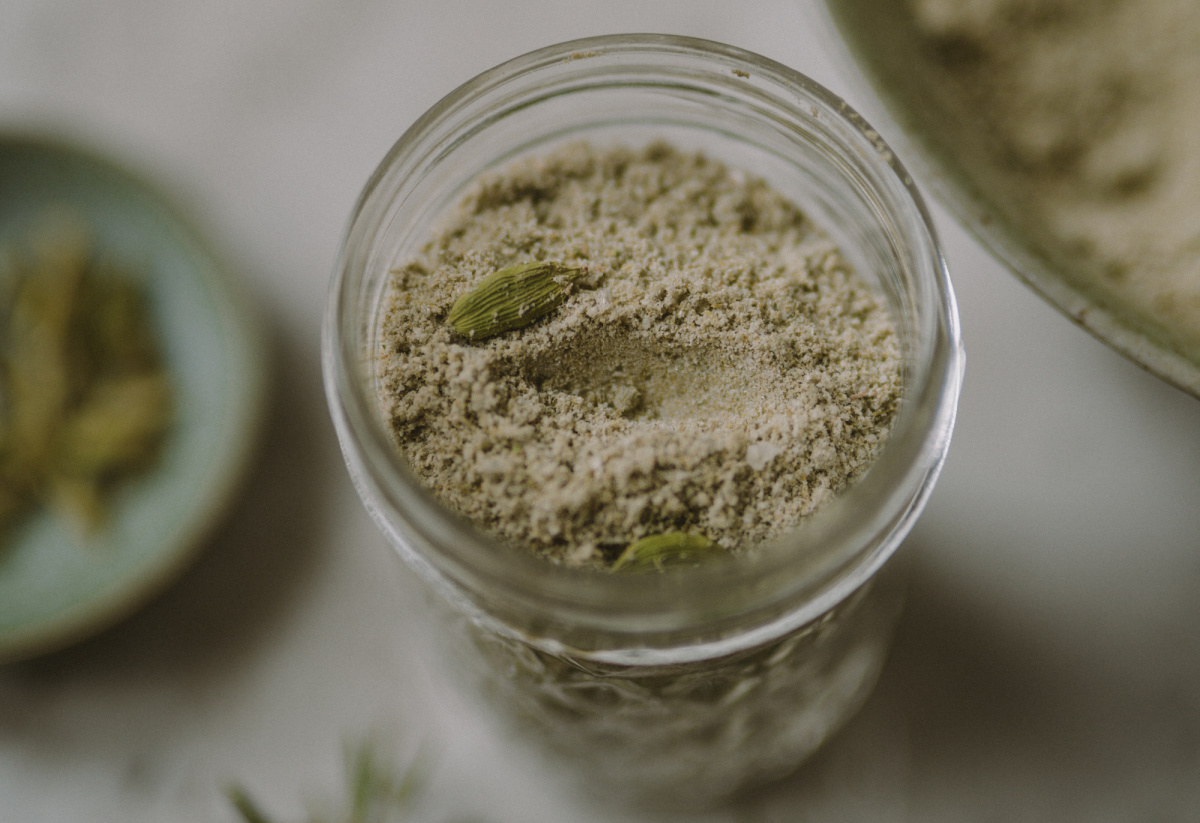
<point>716,368</point>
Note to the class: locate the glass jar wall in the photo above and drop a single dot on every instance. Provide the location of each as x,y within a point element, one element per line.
<point>690,684</point>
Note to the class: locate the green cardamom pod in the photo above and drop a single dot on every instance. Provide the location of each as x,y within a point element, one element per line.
<point>511,298</point>
<point>656,550</point>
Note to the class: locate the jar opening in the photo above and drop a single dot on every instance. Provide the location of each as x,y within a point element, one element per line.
<point>755,115</point>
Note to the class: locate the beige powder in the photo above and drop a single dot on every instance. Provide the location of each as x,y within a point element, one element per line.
<point>717,368</point>
<point>1087,112</point>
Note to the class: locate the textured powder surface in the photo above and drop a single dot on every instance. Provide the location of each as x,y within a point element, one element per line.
<point>717,368</point>
<point>1090,109</point>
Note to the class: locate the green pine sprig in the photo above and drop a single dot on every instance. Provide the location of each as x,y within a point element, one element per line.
<point>375,793</point>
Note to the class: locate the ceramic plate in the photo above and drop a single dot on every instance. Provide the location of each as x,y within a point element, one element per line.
<point>882,50</point>
<point>55,586</point>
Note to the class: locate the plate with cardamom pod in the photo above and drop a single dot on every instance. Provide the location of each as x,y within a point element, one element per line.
<point>131,386</point>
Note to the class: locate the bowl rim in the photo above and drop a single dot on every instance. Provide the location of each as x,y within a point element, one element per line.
<point>951,187</point>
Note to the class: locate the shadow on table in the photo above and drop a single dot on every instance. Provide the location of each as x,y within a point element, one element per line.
<point>977,716</point>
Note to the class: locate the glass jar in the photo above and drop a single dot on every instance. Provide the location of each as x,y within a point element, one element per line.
<point>682,686</point>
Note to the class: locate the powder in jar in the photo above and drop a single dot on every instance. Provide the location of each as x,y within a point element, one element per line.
<point>716,368</point>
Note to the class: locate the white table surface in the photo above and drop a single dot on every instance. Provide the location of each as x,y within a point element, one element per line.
<point>1047,667</point>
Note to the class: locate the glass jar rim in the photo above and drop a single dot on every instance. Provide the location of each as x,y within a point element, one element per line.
<point>692,611</point>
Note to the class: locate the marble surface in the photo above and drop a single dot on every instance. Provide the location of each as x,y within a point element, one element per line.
<point>1048,665</point>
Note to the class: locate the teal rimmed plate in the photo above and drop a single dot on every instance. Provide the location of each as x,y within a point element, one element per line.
<point>56,586</point>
